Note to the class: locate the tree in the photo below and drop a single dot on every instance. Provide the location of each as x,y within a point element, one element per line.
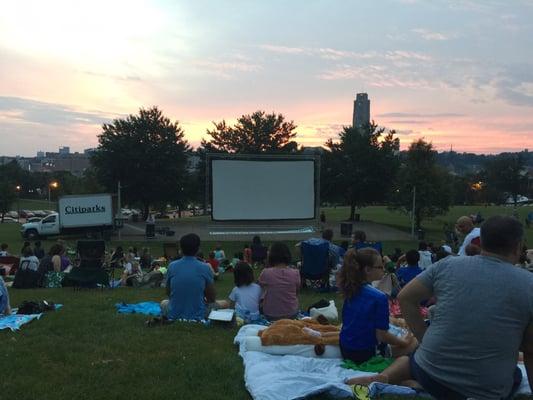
<point>360,165</point>
<point>506,175</point>
<point>431,184</point>
<point>147,154</point>
<point>8,196</point>
<point>253,134</point>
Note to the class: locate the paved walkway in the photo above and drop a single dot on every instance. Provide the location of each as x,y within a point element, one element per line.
<point>242,231</point>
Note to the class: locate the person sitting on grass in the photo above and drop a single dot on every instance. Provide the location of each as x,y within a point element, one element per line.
<point>38,251</point>
<point>246,294</point>
<point>189,284</point>
<point>219,253</point>
<point>5,308</point>
<point>132,271</point>
<point>247,254</point>
<point>213,262</point>
<point>280,284</point>
<point>406,273</point>
<point>3,250</point>
<point>365,312</point>
<point>27,276</point>
<point>471,347</point>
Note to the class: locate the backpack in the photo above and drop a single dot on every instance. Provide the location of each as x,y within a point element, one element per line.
<point>34,307</point>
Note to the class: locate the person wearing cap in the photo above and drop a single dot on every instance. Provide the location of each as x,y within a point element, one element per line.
<point>465,226</point>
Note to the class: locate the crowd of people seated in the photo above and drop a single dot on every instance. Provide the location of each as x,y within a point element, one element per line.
<point>477,287</point>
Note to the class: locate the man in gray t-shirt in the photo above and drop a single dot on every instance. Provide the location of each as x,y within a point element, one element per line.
<point>483,316</point>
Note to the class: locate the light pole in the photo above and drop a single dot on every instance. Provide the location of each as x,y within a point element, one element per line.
<point>18,188</point>
<point>51,185</point>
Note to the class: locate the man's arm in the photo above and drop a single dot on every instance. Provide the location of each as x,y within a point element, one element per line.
<point>210,293</point>
<point>527,348</point>
<point>410,297</point>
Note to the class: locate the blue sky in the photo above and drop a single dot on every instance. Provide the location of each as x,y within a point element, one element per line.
<point>458,73</point>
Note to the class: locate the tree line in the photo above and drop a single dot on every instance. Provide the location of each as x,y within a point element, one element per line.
<point>148,154</point>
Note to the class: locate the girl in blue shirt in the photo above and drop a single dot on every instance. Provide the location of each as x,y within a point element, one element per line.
<point>365,313</point>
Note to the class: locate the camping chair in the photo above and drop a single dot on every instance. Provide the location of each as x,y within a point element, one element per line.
<point>91,272</point>
<point>315,268</point>
<point>9,265</point>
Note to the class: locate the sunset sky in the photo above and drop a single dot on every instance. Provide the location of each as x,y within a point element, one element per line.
<point>458,73</point>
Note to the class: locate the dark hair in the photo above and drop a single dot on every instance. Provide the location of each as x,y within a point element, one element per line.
<point>345,244</point>
<point>500,234</point>
<point>412,257</point>
<point>359,236</point>
<point>190,244</point>
<point>353,275</point>
<point>256,240</point>
<point>37,244</point>
<point>327,234</point>
<point>440,254</point>
<point>243,275</point>
<point>279,253</point>
<point>27,251</point>
<point>422,246</point>
<point>4,246</point>
<point>211,254</point>
<point>56,249</point>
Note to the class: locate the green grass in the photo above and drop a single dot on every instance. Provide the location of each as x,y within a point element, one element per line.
<point>30,204</point>
<point>88,351</point>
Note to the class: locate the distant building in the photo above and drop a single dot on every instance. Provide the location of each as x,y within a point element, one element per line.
<point>313,150</point>
<point>40,154</point>
<point>361,110</point>
<point>65,150</point>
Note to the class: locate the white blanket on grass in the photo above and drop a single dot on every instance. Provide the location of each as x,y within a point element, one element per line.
<point>276,377</point>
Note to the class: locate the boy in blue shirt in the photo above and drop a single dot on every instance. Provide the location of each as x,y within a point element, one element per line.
<point>409,272</point>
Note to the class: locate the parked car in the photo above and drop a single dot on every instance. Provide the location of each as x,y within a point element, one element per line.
<point>39,213</point>
<point>161,216</point>
<point>9,220</point>
<point>12,214</point>
<point>26,214</point>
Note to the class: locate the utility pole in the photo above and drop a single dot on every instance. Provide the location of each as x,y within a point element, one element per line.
<point>413,213</point>
<point>119,211</point>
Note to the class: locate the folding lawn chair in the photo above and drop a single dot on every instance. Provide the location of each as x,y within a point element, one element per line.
<point>315,268</point>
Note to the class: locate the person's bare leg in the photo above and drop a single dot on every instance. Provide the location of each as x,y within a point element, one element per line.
<point>398,372</point>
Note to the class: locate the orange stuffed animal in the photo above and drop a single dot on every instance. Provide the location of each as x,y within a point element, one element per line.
<point>289,332</point>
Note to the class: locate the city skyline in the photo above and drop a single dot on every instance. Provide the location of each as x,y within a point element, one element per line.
<point>457,73</point>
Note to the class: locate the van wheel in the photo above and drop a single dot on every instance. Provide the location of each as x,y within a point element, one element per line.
<point>32,234</point>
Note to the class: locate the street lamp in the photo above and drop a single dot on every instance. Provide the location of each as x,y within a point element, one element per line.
<point>51,185</point>
<point>18,188</point>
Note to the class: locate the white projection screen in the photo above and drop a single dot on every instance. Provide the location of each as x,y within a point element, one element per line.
<point>262,190</point>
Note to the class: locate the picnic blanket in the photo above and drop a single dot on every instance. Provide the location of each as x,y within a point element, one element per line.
<point>275,377</point>
<point>15,321</point>
<point>145,307</point>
